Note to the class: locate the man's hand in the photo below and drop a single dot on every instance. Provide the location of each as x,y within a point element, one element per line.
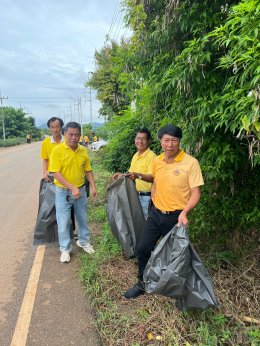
<point>131,175</point>
<point>93,191</point>
<point>117,175</point>
<point>182,219</point>
<point>45,176</point>
<point>75,192</point>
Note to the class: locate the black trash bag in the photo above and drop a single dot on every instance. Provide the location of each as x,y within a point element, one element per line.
<point>175,270</point>
<point>46,228</point>
<point>166,270</point>
<point>125,214</point>
<point>200,292</point>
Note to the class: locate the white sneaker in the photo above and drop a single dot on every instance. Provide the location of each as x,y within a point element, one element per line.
<point>65,257</point>
<point>88,248</point>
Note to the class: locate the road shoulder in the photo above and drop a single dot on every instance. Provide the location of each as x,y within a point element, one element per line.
<point>62,313</point>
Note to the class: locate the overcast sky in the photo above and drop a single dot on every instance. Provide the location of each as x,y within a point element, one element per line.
<point>47,49</point>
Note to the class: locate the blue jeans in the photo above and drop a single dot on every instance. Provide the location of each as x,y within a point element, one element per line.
<point>144,200</point>
<point>63,203</point>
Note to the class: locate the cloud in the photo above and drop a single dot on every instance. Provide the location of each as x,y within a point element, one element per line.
<point>47,49</point>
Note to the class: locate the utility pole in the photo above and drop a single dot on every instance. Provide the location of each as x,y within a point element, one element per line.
<point>80,115</point>
<point>90,104</point>
<point>79,109</point>
<point>3,117</point>
<point>90,97</point>
<point>69,107</point>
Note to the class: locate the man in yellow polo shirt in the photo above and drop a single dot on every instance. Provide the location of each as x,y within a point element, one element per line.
<point>176,180</point>
<point>141,168</point>
<point>86,140</point>
<point>70,164</point>
<point>55,125</point>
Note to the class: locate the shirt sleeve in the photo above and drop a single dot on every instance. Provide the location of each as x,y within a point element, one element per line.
<point>55,160</point>
<point>88,165</point>
<point>150,163</point>
<point>44,153</point>
<point>153,168</point>
<point>131,169</point>
<point>195,176</point>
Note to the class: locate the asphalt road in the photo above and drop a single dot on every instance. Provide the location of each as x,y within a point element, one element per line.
<point>60,312</point>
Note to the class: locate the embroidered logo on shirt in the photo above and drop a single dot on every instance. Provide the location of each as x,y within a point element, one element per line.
<point>177,172</point>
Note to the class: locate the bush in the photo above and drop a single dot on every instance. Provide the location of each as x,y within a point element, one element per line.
<point>9,142</point>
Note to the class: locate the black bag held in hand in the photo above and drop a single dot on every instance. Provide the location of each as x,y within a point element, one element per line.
<point>175,270</point>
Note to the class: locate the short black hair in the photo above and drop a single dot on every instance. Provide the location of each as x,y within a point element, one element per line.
<point>171,130</point>
<point>72,125</point>
<point>145,130</point>
<point>54,119</point>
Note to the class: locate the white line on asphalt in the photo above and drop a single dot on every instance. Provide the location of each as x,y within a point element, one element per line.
<point>24,318</point>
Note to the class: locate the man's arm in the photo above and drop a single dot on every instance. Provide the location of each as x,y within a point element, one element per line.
<point>67,184</point>
<point>90,177</point>
<point>192,202</point>
<point>45,164</point>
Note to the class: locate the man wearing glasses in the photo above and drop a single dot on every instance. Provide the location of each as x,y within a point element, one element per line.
<point>141,168</point>
<point>70,164</point>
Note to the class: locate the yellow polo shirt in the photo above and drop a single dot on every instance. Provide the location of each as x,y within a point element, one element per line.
<point>142,164</point>
<point>174,181</point>
<point>71,164</point>
<point>47,146</point>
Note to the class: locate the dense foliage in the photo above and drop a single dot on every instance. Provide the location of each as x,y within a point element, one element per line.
<point>195,64</point>
<point>17,124</point>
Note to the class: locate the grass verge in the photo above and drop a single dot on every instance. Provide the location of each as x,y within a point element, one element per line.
<point>152,319</point>
<point>9,142</point>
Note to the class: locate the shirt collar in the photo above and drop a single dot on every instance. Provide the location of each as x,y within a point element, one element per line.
<point>178,158</point>
<point>144,153</point>
<point>53,141</point>
<point>67,147</point>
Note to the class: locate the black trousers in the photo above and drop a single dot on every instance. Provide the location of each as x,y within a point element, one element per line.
<point>157,225</point>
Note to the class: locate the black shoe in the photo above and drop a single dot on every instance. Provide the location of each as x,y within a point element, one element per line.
<point>134,291</point>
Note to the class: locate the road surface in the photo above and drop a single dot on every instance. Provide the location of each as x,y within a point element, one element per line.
<point>41,299</point>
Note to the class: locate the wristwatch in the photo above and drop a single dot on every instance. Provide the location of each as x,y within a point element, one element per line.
<point>140,176</point>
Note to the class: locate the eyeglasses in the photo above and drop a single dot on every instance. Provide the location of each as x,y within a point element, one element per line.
<point>141,139</point>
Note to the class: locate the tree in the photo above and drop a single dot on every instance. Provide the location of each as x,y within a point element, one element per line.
<point>17,125</point>
<point>111,78</point>
<point>195,64</point>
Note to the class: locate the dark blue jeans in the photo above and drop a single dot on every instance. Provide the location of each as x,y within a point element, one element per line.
<point>157,225</point>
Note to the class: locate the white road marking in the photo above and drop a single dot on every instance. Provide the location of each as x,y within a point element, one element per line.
<point>24,318</point>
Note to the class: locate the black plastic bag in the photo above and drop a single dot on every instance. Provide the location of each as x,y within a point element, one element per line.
<point>175,270</point>
<point>46,228</point>
<point>125,214</point>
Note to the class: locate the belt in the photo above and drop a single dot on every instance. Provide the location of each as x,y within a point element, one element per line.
<point>65,188</point>
<point>144,193</point>
<point>168,212</point>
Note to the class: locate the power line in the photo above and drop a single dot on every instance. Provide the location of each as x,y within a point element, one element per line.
<point>119,26</point>
<point>115,14</point>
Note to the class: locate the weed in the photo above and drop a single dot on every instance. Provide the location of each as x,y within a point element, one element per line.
<point>254,336</point>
